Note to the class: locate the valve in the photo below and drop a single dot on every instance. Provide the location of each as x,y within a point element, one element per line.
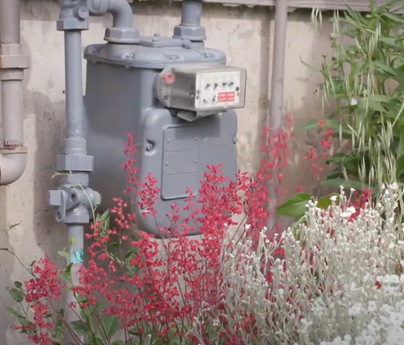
<point>73,205</point>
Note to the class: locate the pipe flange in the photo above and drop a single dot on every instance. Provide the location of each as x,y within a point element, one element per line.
<point>127,35</point>
<point>13,149</point>
<point>190,33</point>
<point>75,163</point>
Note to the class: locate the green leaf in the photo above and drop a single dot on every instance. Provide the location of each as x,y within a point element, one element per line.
<point>295,206</point>
<point>400,167</point>
<point>110,324</point>
<point>393,17</point>
<point>12,226</point>
<point>325,201</point>
<point>118,342</point>
<point>357,185</point>
<point>17,295</point>
<point>133,341</point>
<point>65,275</point>
<point>329,123</point>
<point>18,285</point>
<point>80,327</point>
<point>72,240</point>
<point>15,312</point>
<point>24,321</point>
<point>64,254</point>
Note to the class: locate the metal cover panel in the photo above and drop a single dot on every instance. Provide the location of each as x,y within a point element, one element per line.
<point>153,57</point>
<point>179,162</point>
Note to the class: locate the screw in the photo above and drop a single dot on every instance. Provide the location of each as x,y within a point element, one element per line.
<point>165,96</point>
<point>149,147</point>
<point>196,138</point>
<point>235,140</point>
<point>166,163</point>
<point>195,160</point>
<point>168,140</point>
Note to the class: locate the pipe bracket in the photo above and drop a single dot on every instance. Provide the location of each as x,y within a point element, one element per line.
<point>11,57</point>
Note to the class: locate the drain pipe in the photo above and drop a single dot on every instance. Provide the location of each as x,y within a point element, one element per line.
<point>13,158</point>
<point>276,108</point>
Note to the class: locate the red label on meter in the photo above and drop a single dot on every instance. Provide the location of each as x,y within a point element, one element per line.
<point>224,97</point>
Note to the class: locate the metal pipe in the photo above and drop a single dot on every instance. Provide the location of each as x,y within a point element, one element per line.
<point>76,251</point>
<point>12,103</point>
<point>120,10</point>
<point>190,28</point>
<point>13,158</point>
<point>9,21</point>
<point>122,13</point>
<point>74,88</point>
<point>278,74</point>
<point>191,12</point>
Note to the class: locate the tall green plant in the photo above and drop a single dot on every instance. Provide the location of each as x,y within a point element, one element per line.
<point>364,82</point>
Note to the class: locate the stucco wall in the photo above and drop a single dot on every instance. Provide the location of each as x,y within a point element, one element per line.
<point>245,34</point>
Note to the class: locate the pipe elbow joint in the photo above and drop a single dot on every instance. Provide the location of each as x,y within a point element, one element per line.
<point>12,165</point>
<point>120,10</point>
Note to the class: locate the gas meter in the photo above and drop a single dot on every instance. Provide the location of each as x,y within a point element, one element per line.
<point>177,99</point>
<point>200,90</point>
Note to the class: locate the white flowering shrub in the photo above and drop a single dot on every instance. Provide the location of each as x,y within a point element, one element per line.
<point>338,283</point>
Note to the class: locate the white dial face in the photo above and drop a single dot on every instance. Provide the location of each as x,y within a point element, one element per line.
<point>217,89</point>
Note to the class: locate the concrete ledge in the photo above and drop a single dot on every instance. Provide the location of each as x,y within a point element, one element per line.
<point>359,5</point>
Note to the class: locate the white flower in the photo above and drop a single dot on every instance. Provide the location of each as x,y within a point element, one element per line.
<point>393,186</point>
<point>372,306</point>
<point>353,102</point>
<point>355,310</point>
<point>333,198</point>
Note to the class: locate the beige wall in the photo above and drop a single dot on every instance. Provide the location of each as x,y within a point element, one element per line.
<point>245,34</point>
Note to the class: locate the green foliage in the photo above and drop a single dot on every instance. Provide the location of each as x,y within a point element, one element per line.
<point>16,294</point>
<point>296,207</point>
<point>364,82</point>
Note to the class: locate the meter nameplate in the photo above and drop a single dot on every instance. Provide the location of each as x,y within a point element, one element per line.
<point>202,89</point>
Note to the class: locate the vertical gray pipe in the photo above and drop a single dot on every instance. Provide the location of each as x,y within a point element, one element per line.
<point>13,157</point>
<point>76,250</point>
<point>278,74</point>
<point>191,13</point>
<point>74,87</point>
<point>9,22</point>
<point>12,112</point>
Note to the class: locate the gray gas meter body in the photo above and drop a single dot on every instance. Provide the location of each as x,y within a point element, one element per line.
<point>176,97</point>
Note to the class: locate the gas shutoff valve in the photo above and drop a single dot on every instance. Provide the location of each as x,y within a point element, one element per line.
<point>201,90</point>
